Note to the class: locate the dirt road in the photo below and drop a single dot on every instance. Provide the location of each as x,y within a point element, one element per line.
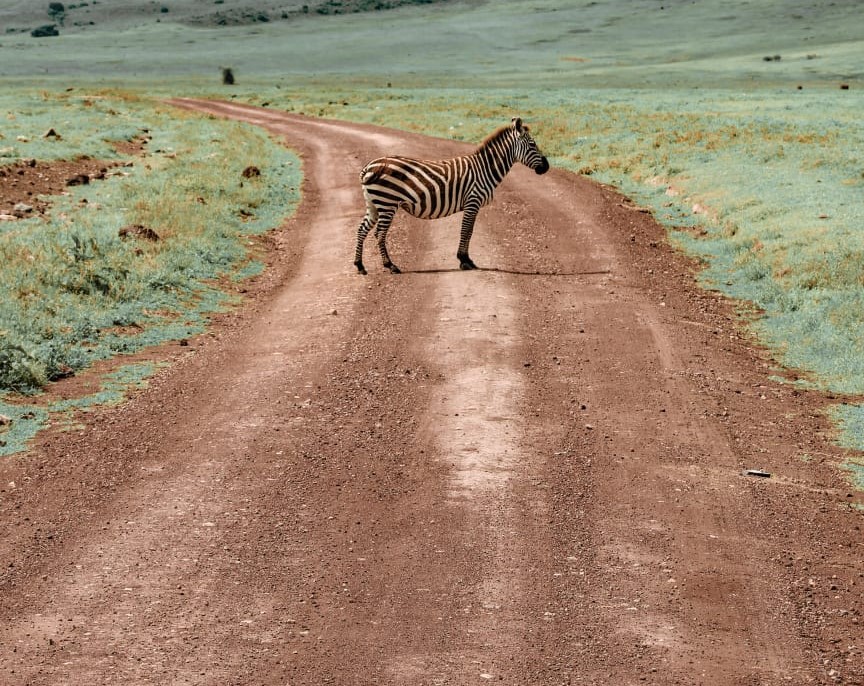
<point>528,474</point>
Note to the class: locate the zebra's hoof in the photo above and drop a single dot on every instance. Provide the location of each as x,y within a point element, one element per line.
<point>393,269</point>
<point>467,265</point>
<point>360,267</point>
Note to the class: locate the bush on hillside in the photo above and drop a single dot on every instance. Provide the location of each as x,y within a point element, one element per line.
<point>43,31</point>
<point>353,6</point>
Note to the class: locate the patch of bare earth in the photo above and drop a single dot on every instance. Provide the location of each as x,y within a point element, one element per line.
<point>528,474</point>
<point>29,183</point>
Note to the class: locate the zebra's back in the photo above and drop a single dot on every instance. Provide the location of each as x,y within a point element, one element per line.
<point>423,188</point>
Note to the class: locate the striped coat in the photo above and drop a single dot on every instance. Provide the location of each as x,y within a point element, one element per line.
<point>433,189</point>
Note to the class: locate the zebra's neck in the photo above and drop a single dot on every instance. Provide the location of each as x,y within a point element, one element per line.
<point>496,158</point>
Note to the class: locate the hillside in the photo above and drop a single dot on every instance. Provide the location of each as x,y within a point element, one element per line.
<point>22,16</point>
<point>457,43</point>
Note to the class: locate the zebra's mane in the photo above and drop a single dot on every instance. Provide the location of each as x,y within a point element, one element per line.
<point>495,135</point>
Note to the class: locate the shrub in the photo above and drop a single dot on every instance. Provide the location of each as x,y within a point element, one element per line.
<point>44,31</point>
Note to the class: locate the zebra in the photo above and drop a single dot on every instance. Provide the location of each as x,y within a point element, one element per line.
<point>434,189</point>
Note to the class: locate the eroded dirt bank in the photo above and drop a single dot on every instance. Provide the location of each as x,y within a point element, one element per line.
<point>528,474</point>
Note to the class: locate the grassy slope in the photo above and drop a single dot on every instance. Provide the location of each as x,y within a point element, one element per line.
<point>647,94</point>
<point>73,292</point>
<point>73,279</point>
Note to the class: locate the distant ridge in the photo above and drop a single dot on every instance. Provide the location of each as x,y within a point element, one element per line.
<point>22,16</point>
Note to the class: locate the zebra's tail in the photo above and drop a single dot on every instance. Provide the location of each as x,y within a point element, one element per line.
<point>374,171</point>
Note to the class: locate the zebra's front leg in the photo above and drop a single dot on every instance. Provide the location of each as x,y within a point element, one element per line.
<point>468,219</point>
<point>384,221</point>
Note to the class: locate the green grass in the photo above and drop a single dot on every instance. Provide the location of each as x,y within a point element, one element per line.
<point>676,106</point>
<point>73,292</point>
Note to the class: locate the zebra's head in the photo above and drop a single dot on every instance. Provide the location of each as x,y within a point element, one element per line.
<point>526,150</point>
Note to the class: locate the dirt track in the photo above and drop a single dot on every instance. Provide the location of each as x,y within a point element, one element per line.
<point>528,474</point>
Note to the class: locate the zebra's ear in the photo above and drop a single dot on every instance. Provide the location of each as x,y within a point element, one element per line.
<point>517,123</point>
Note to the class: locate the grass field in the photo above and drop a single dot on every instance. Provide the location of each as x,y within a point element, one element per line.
<point>738,122</point>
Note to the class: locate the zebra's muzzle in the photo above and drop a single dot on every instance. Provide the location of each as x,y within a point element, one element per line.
<point>543,167</point>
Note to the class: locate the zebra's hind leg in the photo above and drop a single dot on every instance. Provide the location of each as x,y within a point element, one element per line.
<point>366,225</point>
<point>466,263</point>
<point>381,230</point>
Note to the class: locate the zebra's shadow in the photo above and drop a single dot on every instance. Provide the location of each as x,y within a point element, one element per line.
<point>500,270</point>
